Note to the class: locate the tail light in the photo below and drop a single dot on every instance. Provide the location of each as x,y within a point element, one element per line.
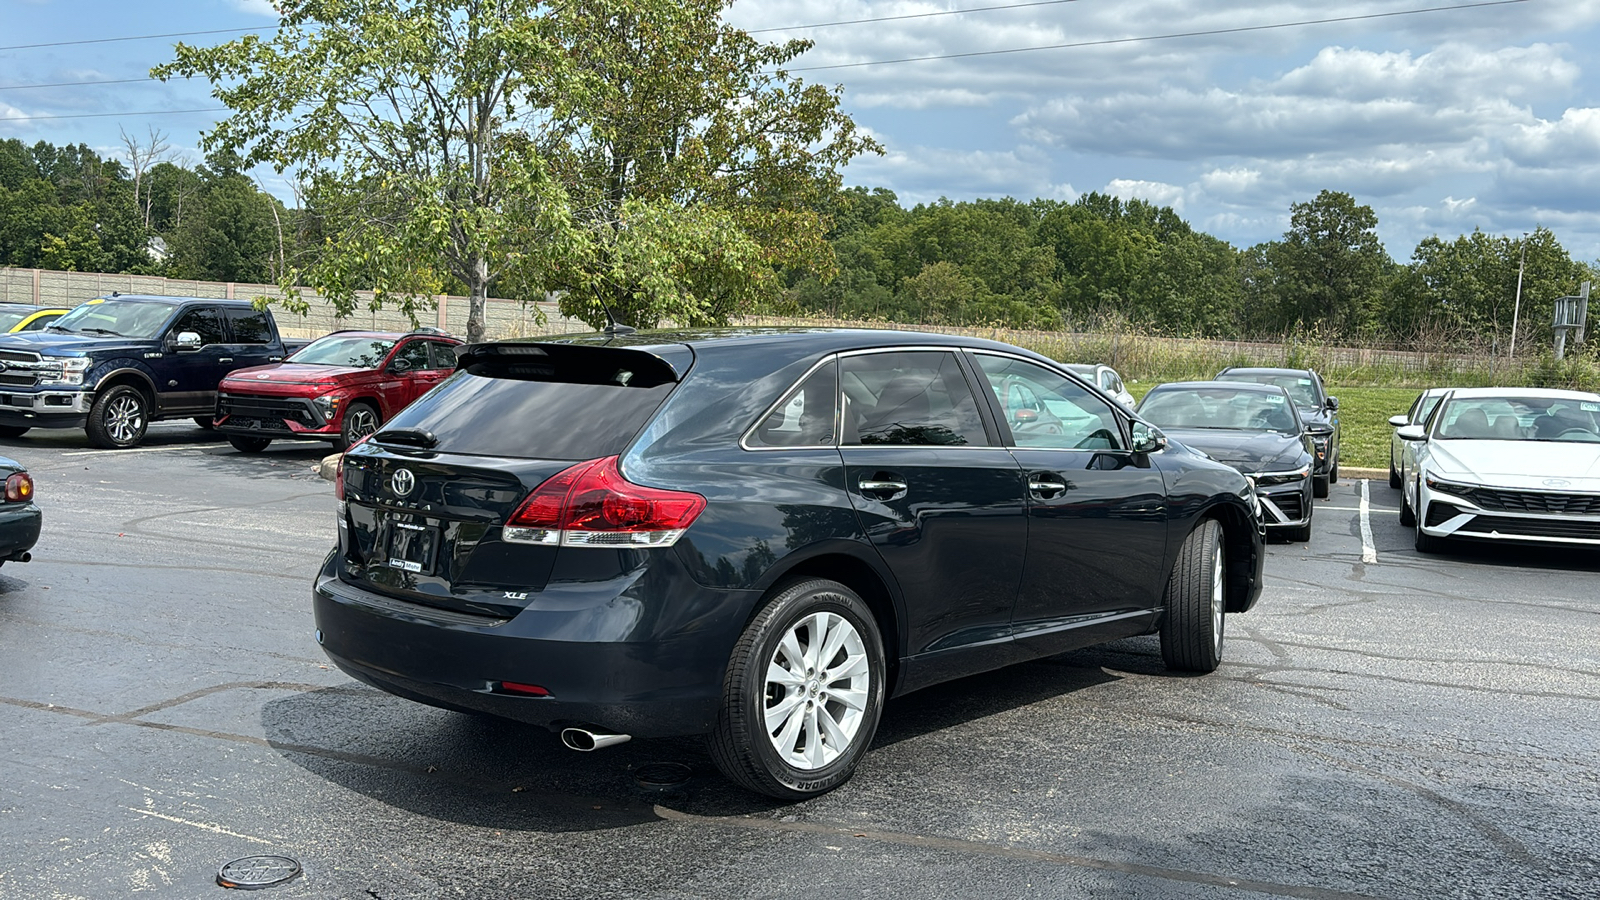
<point>592,505</point>
<point>19,487</point>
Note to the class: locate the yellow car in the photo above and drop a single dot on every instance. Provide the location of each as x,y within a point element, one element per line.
<point>15,317</point>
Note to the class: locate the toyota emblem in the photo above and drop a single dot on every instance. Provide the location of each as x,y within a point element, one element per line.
<point>402,481</point>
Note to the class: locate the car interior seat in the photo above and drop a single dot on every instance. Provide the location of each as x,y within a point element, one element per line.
<point>904,401</point>
<point>1473,423</point>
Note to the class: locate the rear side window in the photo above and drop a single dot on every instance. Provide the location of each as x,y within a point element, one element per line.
<point>917,397</point>
<point>577,403</point>
<point>806,416</point>
<point>444,355</point>
<point>250,326</point>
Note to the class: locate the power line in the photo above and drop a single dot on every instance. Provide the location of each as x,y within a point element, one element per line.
<point>23,87</point>
<point>140,37</point>
<point>926,15</point>
<point>148,112</point>
<point>1156,37</point>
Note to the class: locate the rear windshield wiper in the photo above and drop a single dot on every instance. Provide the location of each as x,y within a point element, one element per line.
<point>416,437</point>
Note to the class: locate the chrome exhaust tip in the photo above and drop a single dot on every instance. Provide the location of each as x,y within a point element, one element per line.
<point>584,740</point>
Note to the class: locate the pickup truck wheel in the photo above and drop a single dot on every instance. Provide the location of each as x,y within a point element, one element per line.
<point>360,420</point>
<point>13,430</point>
<point>205,422</point>
<point>1191,630</point>
<point>244,443</point>
<point>802,695</point>
<point>118,418</point>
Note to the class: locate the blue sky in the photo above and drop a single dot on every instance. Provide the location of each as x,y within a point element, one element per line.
<point>1444,121</point>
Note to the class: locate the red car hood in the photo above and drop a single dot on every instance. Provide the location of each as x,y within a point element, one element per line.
<point>289,373</point>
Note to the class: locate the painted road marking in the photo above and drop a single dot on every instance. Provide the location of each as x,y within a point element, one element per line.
<point>1369,553</point>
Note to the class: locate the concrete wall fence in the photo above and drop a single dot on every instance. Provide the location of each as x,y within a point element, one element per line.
<point>505,318</point>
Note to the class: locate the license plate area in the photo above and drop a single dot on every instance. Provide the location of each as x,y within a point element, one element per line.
<point>410,546</point>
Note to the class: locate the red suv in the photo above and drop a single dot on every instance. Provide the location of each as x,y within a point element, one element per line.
<point>339,388</point>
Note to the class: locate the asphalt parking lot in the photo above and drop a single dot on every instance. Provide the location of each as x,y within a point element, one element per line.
<point>1384,725</point>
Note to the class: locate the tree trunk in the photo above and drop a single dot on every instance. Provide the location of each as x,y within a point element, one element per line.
<point>479,286</point>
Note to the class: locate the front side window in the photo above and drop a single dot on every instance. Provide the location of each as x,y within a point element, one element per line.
<point>806,416</point>
<point>1046,409</point>
<point>414,355</point>
<point>913,397</point>
<point>203,321</point>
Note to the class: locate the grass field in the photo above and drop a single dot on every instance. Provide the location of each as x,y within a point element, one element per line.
<point>1364,413</point>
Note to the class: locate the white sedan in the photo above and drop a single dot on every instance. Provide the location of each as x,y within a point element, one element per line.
<point>1505,464</point>
<point>1399,458</point>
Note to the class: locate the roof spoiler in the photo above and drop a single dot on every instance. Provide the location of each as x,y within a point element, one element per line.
<point>577,363</point>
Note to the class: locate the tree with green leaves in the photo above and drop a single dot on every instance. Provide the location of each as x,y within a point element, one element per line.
<point>1330,268</point>
<point>409,126</point>
<point>694,163</point>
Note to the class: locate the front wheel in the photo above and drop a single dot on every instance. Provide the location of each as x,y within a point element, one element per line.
<point>244,443</point>
<point>1333,472</point>
<point>360,420</point>
<point>1408,516</point>
<point>14,430</point>
<point>1426,543</point>
<point>118,418</point>
<point>803,692</point>
<point>205,422</point>
<point>1394,476</point>
<point>1319,487</point>
<point>1191,630</point>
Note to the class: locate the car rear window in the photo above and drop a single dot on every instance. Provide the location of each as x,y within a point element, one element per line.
<point>570,405</point>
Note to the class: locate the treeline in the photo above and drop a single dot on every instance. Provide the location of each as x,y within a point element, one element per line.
<point>1042,264</point>
<point>1101,260</point>
<point>68,208</point>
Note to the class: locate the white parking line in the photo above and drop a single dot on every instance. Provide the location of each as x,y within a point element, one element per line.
<point>1369,553</point>
<point>146,450</point>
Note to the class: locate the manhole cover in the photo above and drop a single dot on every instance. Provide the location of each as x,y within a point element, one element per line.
<point>661,776</point>
<point>252,872</point>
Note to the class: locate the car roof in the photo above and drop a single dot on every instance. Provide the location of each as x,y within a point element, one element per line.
<point>1264,370</point>
<point>1539,393</point>
<point>1248,386</point>
<point>157,298</point>
<point>20,307</point>
<point>390,335</point>
<point>1083,367</point>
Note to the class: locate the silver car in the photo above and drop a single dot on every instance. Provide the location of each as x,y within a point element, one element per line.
<point>1106,379</point>
<point>1399,457</point>
<point>1505,464</point>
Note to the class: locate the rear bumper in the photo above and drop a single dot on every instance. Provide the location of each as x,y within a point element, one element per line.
<point>666,685</point>
<point>19,529</point>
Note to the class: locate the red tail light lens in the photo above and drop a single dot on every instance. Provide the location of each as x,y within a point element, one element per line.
<point>19,487</point>
<point>592,505</point>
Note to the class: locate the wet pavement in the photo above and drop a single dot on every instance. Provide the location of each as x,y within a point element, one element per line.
<point>1385,725</point>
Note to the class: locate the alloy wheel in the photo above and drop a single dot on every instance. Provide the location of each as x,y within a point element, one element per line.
<point>362,423</point>
<point>1218,599</point>
<point>125,419</point>
<point>817,685</point>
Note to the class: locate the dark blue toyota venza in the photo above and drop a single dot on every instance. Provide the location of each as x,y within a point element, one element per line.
<point>761,535</point>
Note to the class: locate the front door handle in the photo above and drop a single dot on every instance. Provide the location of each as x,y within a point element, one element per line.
<point>226,359</point>
<point>882,487</point>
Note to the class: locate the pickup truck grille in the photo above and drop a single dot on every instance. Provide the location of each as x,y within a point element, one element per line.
<point>21,368</point>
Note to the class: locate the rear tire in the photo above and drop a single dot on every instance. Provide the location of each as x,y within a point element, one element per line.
<point>205,422</point>
<point>1394,476</point>
<point>118,418</point>
<point>1408,516</point>
<point>360,420</point>
<point>14,430</point>
<point>793,724</point>
<point>1191,630</point>
<point>244,443</point>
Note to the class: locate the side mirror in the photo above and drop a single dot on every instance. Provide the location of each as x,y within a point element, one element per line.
<point>1413,433</point>
<point>186,341</point>
<point>1148,438</point>
<point>1025,416</point>
<point>1333,403</point>
<point>400,365</point>
<point>1399,421</point>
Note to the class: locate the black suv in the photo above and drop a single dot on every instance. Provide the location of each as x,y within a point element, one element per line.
<point>1319,411</point>
<point>761,535</point>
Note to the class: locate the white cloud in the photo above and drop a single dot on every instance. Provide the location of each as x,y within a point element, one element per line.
<point>256,7</point>
<point>1149,191</point>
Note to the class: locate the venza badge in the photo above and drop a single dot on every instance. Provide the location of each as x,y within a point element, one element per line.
<point>402,481</point>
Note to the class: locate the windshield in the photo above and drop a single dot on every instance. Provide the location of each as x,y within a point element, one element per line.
<point>1300,387</point>
<point>355,352</point>
<point>121,318</point>
<point>1519,419</point>
<point>10,319</point>
<point>1220,408</point>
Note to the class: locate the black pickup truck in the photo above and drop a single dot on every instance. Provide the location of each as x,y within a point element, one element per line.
<point>116,363</point>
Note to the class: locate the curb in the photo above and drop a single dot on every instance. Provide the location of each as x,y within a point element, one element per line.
<point>1344,472</point>
<point>327,467</point>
